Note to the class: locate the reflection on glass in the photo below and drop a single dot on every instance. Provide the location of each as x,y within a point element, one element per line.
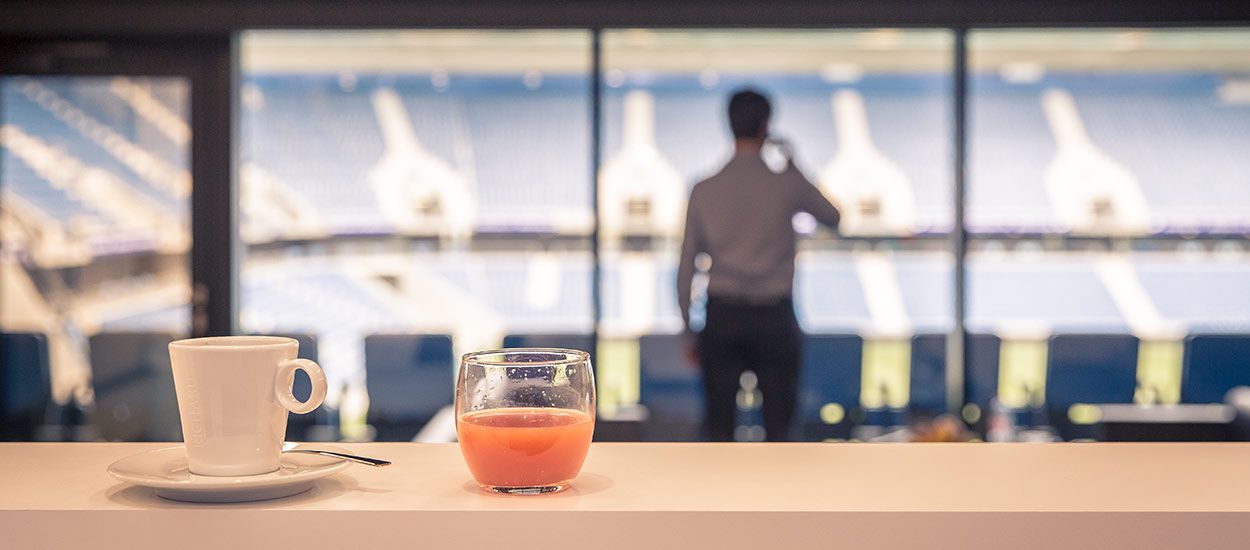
<point>414,182</point>
<point>94,232</point>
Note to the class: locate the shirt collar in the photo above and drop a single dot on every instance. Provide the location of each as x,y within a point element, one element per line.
<point>742,157</point>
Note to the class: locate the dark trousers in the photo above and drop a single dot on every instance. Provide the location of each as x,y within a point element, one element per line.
<point>760,337</point>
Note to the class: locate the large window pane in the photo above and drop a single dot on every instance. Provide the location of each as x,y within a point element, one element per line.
<point>94,218</point>
<point>869,115</point>
<point>1108,191</point>
<point>415,182</point>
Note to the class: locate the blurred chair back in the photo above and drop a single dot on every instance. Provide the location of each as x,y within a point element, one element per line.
<point>580,342</point>
<point>670,388</point>
<point>927,383</point>
<point>981,379</point>
<point>1089,368</point>
<point>928,372</point>
<point>25,385</point>
<point>1214,364</point>
<point>409,378</point>
<point>134,387</point>
<point>829,381</point>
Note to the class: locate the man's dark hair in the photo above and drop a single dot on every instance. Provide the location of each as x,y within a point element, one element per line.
<point>748,113</point>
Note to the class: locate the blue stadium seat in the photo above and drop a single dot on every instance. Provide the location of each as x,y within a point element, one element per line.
<point>981,380</point>
<point>927,385</point>
<point>25,385</point>
<point>1088,368</point>
<point>670,389</point>
<point>580,342</point>
<point>134,387</point>
<point>409,378</point>
<point>928,372</point>
<point>1214,364</point>
<point>831,373</point>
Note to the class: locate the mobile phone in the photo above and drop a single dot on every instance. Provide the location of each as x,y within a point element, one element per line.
<point>782,145</point>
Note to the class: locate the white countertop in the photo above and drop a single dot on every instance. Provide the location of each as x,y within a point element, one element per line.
<point>635,495</point>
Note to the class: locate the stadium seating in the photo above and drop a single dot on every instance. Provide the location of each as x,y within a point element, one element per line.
<point>926,280</point>
<point>134,387</point>
<point>616,301</point>
<point>55,202</point>
<point>1061,291</point>
<point>831,373</point>
<point>1215,296</point>
<point>303,117</point>
<point>35,119</point>
<point>531,153</point>
<point>25,385</point>
<point>911,125</point>
<point>1185,148</point>
<point>318,302</point>
<point>1010,146</point>
<point>302,121</point>
<point>409,378</point>
<point>519,127</point>
<point>928,372</point>
<point>95,98</point>
<point>1213,365</point>
<point>1088,369</point>
<point>828,294</point>
<point>670,389</point>
<point>502,283</point>
<point>689,126</point>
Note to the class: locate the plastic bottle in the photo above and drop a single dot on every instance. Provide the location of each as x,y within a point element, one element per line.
<point>1001,427</point>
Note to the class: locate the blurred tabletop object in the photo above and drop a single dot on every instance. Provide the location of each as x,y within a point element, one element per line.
<point>629,495</point>
<point>1188,422</point>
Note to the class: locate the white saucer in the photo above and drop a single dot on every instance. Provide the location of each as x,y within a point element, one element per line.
<point>165,471</point>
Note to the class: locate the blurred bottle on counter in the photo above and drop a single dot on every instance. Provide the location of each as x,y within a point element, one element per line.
<point>353,413</point>
<point>1001,427</point>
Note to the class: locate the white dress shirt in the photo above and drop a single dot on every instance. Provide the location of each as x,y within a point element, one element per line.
<point>742,218</point>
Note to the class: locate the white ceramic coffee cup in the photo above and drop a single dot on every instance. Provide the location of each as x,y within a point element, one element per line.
<point>233,396</point>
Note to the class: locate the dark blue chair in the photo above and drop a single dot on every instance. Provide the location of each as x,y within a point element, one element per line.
<point>580,342</point>
<point>1088,368</point>
<point>409,378</point>
<point>25,385</point>
<point>927,385</point>
<point>928,372</point>
<point>1214,364</point>
<point>981,380</point>
<point>830,374</point>
<point>670,389</point>
<point>134,387</point>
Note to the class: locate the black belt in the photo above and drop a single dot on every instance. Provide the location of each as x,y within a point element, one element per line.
<point>757,301</point>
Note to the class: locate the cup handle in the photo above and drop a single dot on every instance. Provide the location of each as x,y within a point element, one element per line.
<point>283,385</point>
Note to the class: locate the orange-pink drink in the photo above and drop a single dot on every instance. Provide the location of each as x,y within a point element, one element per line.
<point>525,447</point>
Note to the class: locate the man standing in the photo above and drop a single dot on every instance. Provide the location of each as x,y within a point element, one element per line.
<point>742,219</point>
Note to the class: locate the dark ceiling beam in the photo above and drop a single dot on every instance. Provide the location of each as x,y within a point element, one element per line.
<point>111,18</point>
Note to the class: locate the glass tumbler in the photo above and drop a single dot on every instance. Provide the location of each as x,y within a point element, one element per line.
<point>525,417</point>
